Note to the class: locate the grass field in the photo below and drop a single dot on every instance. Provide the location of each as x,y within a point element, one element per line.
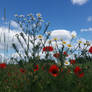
<point>30,78</point>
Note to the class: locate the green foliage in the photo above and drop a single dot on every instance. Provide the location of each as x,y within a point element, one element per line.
<point>12,79</point>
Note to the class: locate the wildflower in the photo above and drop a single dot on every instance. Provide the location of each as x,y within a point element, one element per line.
<point>3,65</point>
<point>63,42</point>
<point>69,45</point>
<point>81,75</point>
<point>30,14</point>
<point>36,67</point>
<point>78,72</point>
<point>48,48</point>
<point>54,70</point>
<point>22,70</point>
<point>66,63</point>
<point>90,50</point>
<point>79,41</point>
<point>40,36</point>
<point>87,43</point>
<point>55,39</point>
<point>32,18</point>
<point>72,61</point>
<point>65,53</point>
<point>73,35</point>
<point>77,69</point>
<point>21,16</point>
<point>16,15</point>
<point>56,55</point>
<point>38,15</point>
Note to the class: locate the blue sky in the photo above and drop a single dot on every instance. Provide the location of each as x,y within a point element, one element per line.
<point>62,14</point>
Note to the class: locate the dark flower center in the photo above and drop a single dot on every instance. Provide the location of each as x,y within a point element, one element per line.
<point>54,71</point>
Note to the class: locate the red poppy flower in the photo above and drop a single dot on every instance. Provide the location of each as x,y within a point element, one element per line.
<point>78,71</point>
<point>22,70</point>
<point>90,49</point>
<point>64,53</point>
<point>36,67</point>
<point>48,48</point>
<point>81,75</point>
<point>3,65</point>
<point>56,55</point>
<point>54,70</point>
<point>72,61</point>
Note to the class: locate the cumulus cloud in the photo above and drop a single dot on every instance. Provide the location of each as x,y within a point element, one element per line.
<point>86,29</point>
<point>62,34</point>
<point>10,38</point>
<point>14,24</point>
<point>79,2</point>
<point>7,37</point>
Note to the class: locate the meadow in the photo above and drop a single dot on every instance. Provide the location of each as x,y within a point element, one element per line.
<point>33,74</point>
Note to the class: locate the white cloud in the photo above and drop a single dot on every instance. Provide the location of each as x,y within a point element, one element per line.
<point>89,19</point>
<point>7,37</point>
<point>86,29</point>
<point>10,38</point>
<point>79,2</point>
<point>8,34</point>
<point>14,24</point>
<point>62,34</point>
